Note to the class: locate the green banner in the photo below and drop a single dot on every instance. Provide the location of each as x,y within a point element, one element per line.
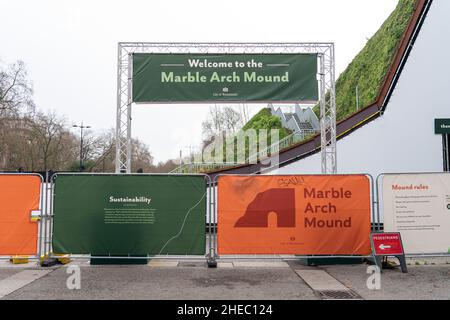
<point>180,78</point>
<point>129,215</point>
<point>442,126</point>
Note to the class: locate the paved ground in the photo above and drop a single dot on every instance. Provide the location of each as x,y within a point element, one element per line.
<point>421,282</point>
<point>6,273</point>
<point>245,280</point>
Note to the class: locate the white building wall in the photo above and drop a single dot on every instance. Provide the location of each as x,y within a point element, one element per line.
<point>403,139</point>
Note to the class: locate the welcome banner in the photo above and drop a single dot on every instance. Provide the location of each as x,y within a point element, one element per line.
<point>137,215</point>
<point>181,78</point>
<point>19,196</point>
<point>302,215</point>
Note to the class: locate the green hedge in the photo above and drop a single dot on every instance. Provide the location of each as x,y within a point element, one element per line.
<point>368,69</point>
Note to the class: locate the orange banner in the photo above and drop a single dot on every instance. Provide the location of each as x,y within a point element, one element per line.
<point>301,215</point>
<point>19,196</point>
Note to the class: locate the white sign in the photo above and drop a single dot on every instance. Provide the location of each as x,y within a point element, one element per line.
<point>418,206</point>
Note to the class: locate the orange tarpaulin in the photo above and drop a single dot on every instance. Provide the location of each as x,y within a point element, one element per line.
<point>302,215</point>
<point>19,196</point>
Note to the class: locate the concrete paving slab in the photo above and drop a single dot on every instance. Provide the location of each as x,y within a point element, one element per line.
<point>225,265</point>
<point>79,262</point>
<point>320,280</point>
<point>20,280</point>
<point>163,264</point>
<point>6,264</point>
<point>420,283</point>
<point>6,273</point>
<point>260,264</point>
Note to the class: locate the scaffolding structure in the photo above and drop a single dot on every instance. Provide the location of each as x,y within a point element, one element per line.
<point>326,78</point>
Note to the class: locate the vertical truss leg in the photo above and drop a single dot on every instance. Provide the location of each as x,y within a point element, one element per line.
<point>327,88</point>
<point>123,124</point>
<point>328,112</point>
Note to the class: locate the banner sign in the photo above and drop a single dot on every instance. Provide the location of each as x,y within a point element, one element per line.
<point>19,197</point>
<point>302,215</point>
<point>129,215</point>
<point>387,244</point>
<point>418,206</point>
<point>442,126</point>
<point>181,78</point>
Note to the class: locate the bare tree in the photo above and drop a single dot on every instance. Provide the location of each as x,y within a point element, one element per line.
<point>103,152</point>
<point>16,149</point>
<point>37,143</point>
<point>232,119</point>
<point>141,156</point>
<point>164,167</point>
<point>222,119</point>
<point>221,122</point>
<point>16,105</point>
<point>40,142</point>
<point>16,90</point>
<point>55,144</point>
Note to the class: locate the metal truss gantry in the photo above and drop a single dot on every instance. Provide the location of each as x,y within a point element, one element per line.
<point>326,78</point>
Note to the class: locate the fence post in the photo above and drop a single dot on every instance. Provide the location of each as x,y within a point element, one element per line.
<point>212,263</point>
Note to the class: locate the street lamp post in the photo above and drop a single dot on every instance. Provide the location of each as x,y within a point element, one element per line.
<point>81,127</point>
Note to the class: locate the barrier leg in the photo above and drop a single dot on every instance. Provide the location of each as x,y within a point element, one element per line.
<point>47,219</point>
<point>211,257</point>
<point>378,262</point>
<point>212,262</point>
<point>403,266</point>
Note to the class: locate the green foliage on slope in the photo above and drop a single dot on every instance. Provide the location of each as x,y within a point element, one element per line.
<point>367,72</point>
<point>265,120</point>
<point>368,69</point>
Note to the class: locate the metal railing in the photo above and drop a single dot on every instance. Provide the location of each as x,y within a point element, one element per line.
<point>279,146</point>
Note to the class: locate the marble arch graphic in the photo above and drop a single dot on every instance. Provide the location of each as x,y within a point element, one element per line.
<point>279,201</point>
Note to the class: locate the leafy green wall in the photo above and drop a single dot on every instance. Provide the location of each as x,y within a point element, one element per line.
<point>368,69</point>
<point>367,72</point>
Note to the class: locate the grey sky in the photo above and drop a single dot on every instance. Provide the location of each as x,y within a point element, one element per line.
<point>70,48</point>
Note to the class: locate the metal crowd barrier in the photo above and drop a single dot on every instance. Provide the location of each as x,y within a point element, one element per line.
<point>48,225</point>
<point>380,210</point>
<point>40,234</point>
<point>374,226</point>
<point>45,253</point>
